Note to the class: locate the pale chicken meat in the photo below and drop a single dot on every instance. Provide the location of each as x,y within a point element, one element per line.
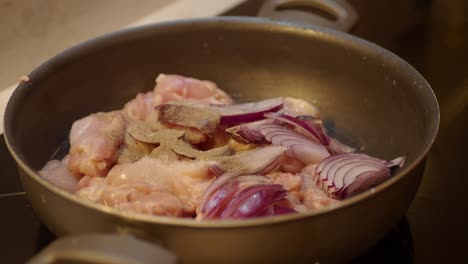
<point>142,108</point>
<point>155,203</point>
<point>134,197</point>
<point>94,141</point>
<point>292,183</point>
<point>179,184</point>
<point>56,172</point>
<point>171,87</point>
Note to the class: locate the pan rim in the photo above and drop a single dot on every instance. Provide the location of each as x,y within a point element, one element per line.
<point>259,23</point>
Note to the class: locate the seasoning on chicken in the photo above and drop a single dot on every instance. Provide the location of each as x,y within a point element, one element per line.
<point>195,116</point>
<point>132,150</point>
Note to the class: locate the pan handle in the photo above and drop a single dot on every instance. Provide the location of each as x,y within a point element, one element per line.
<point>344,14</point>
<point>103,249</point>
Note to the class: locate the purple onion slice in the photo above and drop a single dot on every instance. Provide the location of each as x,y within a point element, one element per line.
<point>249,132</point>
<point>345,175</point>
<point>312,126</point>
<point>249,112</point>
<point>254,201</point>
<point>245,197</point>
<point>258,161</point>
<point>300,147</point>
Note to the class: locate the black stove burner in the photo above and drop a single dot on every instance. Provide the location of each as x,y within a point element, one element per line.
<point>396,247</point>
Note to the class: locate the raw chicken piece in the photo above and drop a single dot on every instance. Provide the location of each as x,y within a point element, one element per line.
<point>289,181</point>
<point>94,141</point>
<point>171,87</point>
<point>127,185</point>
<point>313,196</point>
<point>56,172</point>
<point>155,203</point>
<point>142,108</point>
<point>91,187</point>
<point>185,180</point>
<point>136,197</point>
<point>292,183</point>
<point>293,200</point>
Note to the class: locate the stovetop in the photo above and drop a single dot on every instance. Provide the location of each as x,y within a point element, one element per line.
<point>432,36</point>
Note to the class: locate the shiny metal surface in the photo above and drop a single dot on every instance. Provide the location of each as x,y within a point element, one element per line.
<point>331,67</point>
<point>335,14</point>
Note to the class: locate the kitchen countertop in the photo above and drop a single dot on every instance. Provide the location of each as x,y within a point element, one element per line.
<point>430,35</point>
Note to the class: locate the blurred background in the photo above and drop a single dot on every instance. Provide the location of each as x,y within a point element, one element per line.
<point>432,35</point>
<point>35,30</point>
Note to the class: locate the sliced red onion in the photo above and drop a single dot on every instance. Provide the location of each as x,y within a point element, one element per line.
<point>215,185</point>
<point>249,180</point>
<point>317,125</point>
<point>249,112</point>
<point>364,182</point>
<point>350,172</point>
<point>244,197</point>
<point>303,149</point>
<point>310,125</point>
<point>345,165</point>
<point>254,201</point>
<point>345,175</point>
<point>249,132</point>
<point>331,174</point>
<point>258,161</point>
<point>216,204</point>
<point>215,169</point>
<point>323,166</point>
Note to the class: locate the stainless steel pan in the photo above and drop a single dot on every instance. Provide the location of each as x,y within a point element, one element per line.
<point>370,97</point>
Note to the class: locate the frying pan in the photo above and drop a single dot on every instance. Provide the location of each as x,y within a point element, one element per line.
<point>370,98</point>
